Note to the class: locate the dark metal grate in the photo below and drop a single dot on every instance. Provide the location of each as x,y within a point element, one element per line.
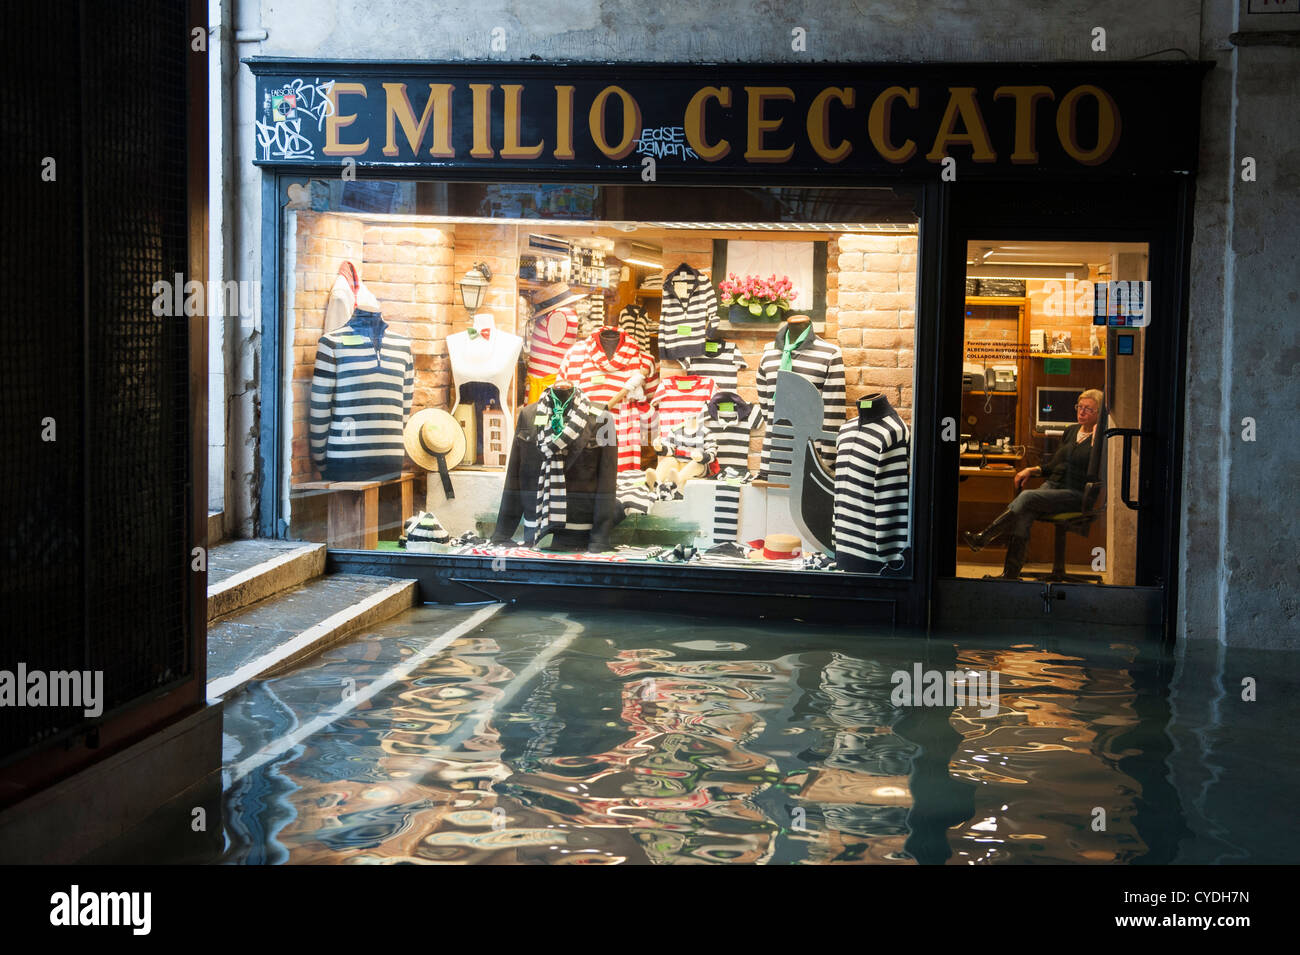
<point>94,564</point>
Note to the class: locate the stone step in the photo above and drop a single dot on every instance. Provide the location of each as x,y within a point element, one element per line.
<point>242,572</point>
<point>216,534</point>
<point>289,627</point>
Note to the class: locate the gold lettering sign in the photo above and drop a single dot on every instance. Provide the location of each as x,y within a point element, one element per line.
<point>336,121</point>
<point>759,127</point>
<point>1108,125</point>
<point>693,124</point>
<point>1026,98</point>
<point>878,124</point>
<point>512,148</point>
<point>482,148</point>
<point>819,124</point>
<point>961,103</point>
<point>398,109</point>
<point>711,123</point>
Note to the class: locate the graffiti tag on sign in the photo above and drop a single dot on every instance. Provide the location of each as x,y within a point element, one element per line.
<point>665,141</point>
<point>285,109</point>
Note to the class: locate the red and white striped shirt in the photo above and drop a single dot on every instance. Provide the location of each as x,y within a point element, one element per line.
<point>681,398</point>
<point>601,376</point>
<point>545,350</point>
<point>635,422</point>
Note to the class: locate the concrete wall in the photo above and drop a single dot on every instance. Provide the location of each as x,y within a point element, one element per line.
<point>1241,558</point>
<point>1239,574</point>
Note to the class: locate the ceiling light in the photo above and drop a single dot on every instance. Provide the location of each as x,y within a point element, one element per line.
<point>1012,270</point>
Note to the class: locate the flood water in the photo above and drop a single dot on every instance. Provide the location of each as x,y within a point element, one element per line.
<point>603,738</point>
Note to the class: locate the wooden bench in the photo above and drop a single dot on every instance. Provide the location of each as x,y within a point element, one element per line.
<point>354,512</point>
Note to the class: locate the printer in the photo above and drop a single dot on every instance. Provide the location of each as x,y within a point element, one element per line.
<point>972,376</point>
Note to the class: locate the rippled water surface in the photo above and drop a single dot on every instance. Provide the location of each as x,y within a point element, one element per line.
<point>603,738</point>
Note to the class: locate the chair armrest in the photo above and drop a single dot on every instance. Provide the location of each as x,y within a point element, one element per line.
<point>1091,494</point>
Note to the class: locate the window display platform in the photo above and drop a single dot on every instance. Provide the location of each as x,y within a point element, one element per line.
<point>840,599</point>
<point>689,520</point>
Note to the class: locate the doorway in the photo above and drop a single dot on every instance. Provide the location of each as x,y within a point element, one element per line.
<point>1042,321</point>
<point>1053,335</point>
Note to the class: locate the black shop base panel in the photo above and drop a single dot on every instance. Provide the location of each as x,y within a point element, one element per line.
<point>740,593</point>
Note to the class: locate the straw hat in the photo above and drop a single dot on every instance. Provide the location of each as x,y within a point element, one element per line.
<point>775,547</point>
<point>431,432</point>
<point>555,296</point>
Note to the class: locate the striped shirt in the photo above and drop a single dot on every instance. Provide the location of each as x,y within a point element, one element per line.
<point>686,315</point>
<point>871,520</point>
<point>680,398</point>
<point>601,376</point>
<point>820,362</point>
<point>636,322</point>
<point>633,494</point>
<point>360,398</point>
<point>544,352</point>
<point>636,424</point>
<point>721,361</point>
<point>731,429</point>
<point>692,436</point>
<point>591,314</point>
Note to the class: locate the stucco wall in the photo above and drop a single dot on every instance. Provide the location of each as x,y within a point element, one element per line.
<point>1239,571</point>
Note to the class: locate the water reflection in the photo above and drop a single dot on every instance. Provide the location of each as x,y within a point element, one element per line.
<point>563,739</point>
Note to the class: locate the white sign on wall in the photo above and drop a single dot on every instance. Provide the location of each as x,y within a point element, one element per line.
<point>793,259</point>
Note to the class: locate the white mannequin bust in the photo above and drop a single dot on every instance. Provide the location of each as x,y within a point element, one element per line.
<point>488,354</point>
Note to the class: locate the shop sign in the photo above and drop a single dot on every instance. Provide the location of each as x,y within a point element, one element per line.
<point>612,123</point>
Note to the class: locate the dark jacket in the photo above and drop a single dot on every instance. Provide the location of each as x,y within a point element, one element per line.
<point>590,473</point>
<point>1068,467</point>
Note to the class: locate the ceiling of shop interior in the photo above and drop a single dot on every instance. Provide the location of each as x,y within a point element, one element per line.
<point>1095,254</point>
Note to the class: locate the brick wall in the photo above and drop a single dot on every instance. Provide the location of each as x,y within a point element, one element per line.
<point>871,295</point>
<point>497,246</point>
<point>408,268</point>
<point>324,243</point>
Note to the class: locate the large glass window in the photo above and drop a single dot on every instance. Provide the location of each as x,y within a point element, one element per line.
<point>708,376</point>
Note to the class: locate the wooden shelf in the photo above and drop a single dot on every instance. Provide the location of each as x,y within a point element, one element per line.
<point>1009,394</point>
<point>649,293</point>
<point>533,285</point>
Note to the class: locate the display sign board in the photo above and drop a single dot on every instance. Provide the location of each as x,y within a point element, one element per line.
<point>681,123</point>
<point>1123,303</point>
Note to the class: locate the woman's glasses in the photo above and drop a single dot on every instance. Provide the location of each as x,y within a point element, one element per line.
<point>1088,408</point>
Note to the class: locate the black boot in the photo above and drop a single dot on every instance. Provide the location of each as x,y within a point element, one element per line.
<point>981,539</point>
<point>1017,548</point>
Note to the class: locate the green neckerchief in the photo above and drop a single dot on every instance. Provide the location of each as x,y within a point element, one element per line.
<point>787,350</point>
<point>558,411</point>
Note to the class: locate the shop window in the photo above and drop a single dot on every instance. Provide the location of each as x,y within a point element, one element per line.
<point>522,370</point>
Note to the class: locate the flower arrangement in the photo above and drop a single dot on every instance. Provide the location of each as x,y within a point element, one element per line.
<point>760,297</point>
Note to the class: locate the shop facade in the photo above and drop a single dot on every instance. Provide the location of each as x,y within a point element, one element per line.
<point>508,223</point>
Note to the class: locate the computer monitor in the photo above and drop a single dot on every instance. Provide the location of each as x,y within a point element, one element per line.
<point>1054,410</point>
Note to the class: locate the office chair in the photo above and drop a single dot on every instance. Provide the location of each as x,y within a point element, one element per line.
<point>1080,522</point>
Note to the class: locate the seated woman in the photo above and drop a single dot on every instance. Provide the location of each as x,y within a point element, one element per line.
<point>1066,473</point>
